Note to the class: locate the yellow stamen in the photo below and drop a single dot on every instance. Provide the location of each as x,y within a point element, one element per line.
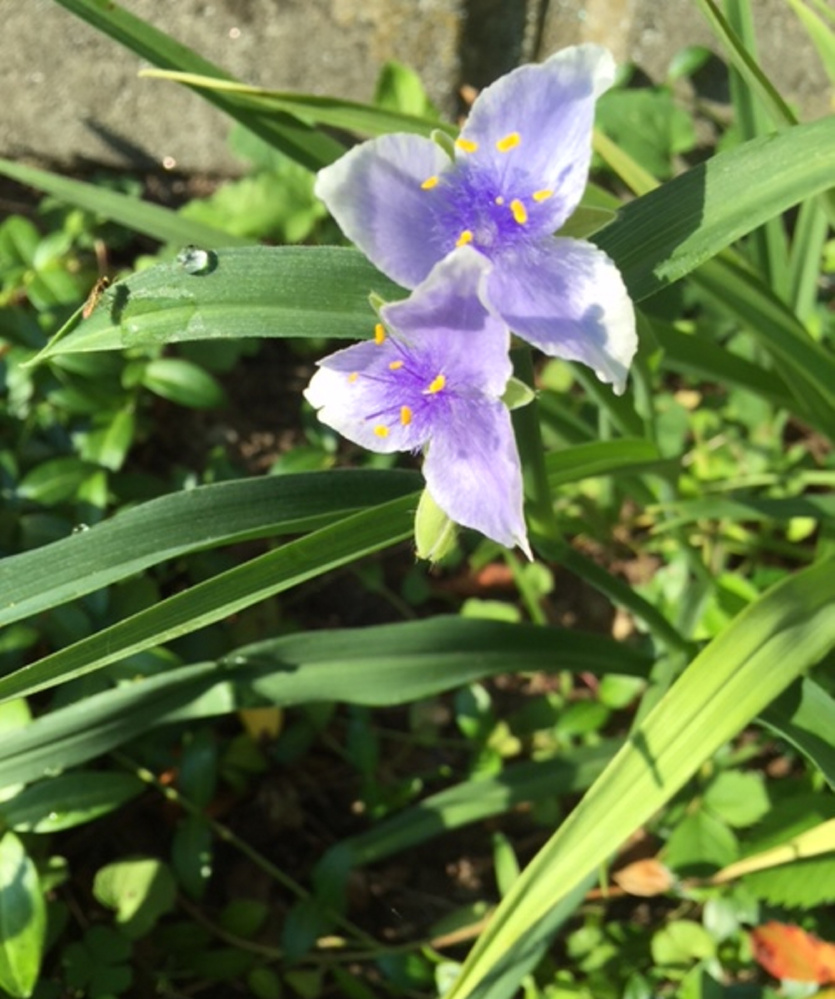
<point>509,142</point>
<point>436,385</point>
<point>499,200</point>
<point>542,195</point>
<point>465,237</point>
<point>379,334</point>
<point>395,365</point>
<point>429,183</point>
<point>466,145</point>
<point>381,431</point>
<point>405,415</point>
<point>520,213</point>
<point>353,376</point>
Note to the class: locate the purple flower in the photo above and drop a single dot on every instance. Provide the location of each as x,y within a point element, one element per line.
<point>519,170</point>
<point>432,378</point>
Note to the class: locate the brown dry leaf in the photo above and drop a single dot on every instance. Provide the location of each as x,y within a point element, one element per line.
<point>644,877</point>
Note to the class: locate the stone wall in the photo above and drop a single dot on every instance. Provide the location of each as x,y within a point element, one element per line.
<point>73,96</point>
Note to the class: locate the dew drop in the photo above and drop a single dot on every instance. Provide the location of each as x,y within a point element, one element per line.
<point>80,528</point>
<point>193,260</point>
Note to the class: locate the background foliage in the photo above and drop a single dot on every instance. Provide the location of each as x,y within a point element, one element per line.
<point>250,747</point>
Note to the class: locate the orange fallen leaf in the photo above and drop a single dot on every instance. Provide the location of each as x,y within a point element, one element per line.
<point>787,951</point>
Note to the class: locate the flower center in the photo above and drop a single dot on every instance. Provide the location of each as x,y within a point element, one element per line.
<point>488,204</point>
<point>406,389</point>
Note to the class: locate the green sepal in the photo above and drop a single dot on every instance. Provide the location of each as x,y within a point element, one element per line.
<point>445,141</point>
<point>435,533</point>
<point>517,394</point>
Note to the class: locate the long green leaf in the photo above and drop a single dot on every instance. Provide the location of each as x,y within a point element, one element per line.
<point>764,649</point>
<point>140,216</point>
<point>748,508</point>
<point>746,65</point>
<point>257,291</point>
<point>759,83</point>
<point>297,139</point>
<point>698,356</point>
<point>805,717</point>
<point>475,800</point>
<point>807,366</point>
<point>352,116</point>
<point>321,291</point>
<point>623,456</point>
<point>665,234</point>
<point>385,665</point>
<point>769,244</point>
<point>822,36</point>
<point>224,594</point>
<point>165,528</point>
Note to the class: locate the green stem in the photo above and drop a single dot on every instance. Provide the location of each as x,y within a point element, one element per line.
<point>225,834</point>
<point>540,507</point>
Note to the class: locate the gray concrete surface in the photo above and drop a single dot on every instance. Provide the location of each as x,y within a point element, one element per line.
<point>72,95</point>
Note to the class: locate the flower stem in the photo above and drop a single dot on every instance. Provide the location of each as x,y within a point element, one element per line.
<point>540,507</point>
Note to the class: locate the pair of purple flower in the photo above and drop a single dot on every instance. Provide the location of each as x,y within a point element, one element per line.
<point>472,235</point>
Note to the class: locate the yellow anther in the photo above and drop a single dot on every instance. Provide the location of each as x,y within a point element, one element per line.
<point>520,213</point>
<point>509,142</point>
<point>542,195</point>
<point>381,431</point>
<point>436,384</point>
<point>353,376</point>
<point>429,183</point>
<point>405,415</point>
<point>395,365</point>
<point>465,237</point>
<point>466,145</point>
<point>499,200</point>
<point>379,334</point>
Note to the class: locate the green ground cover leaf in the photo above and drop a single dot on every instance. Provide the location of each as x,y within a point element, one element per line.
<point>22,919</point>
<point>801,885</point>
